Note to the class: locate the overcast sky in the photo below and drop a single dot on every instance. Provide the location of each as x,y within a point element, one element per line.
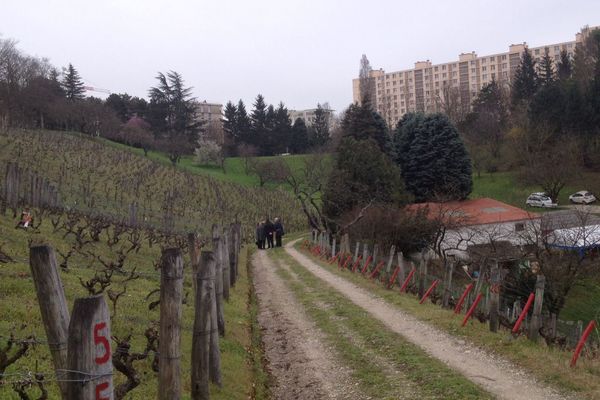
<point>299,52</point>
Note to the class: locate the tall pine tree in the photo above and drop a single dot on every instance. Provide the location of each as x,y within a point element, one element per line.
<point>258,118</point>
<point>320,127</point>
<point>564,67</point>
<point>361,123</point>
<point>299,137</point>
<point>546,69</point>
<point>243,124</point>
<point>525,82</point>
<point>282,129</point>
<point>73,85</point>
<point>231,135</point>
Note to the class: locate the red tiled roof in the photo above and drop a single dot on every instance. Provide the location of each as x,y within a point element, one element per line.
<point>475,212</point>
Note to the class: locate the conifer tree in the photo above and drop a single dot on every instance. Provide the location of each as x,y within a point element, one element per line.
<point>243,125</point>
<point>258,119</point>
<point>282,129</point>
<point>361,123</point>
<point>525,82</point>
<point>546,69</point>
<point>433,159</point>
<point>231,135</point>
<point>564,67</point>
<point>299,137</point>
<point>320,127</point>
<point>73,85</point>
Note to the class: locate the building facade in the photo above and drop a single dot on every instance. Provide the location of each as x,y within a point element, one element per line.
<point>211,114</point>
<point>430,87</point>
<point>308,116</point>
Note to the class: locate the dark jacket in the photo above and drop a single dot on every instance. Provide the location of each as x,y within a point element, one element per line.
<point>269,228</point>
<point>278,228</point>
<point>260,232</point>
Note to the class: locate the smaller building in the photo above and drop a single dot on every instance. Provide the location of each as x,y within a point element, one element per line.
<point>476,222</point>
<point>211,114</point>
<point>308,116</point>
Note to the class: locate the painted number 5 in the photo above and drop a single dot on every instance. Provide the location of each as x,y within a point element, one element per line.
<point>103,341</point>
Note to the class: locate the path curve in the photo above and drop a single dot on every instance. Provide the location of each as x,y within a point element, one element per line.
<point>498,376</point>
<point>302,366</point>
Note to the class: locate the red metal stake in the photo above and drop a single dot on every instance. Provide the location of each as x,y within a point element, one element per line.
<point>584,337</point>
<point>407,280</point>
<point>393,279</point>
<point>356,264</point>
<point>523,313</point>
<point>347,261</point>
<point>366,267</point>
<point>428,292</point>
<point>458,307</point>
<point>334,258</point>
<point>472,309</point>
<point>376,270</point>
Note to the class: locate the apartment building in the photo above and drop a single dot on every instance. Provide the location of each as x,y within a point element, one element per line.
<point>427,86</point>
<point>211,114</point>
<point>308,116</point>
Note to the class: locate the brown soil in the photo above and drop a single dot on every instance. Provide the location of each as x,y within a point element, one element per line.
<point>302,366</point>
<point>499,377</point>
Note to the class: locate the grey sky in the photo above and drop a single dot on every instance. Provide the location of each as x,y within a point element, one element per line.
<point>300,52</point>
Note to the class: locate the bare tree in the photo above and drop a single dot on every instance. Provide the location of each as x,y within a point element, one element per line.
<point>366,82</point>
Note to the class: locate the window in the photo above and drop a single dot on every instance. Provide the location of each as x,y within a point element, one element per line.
<point>493,76</point>
<point>537,51</point>
<point>492,59</point>
<point>437,84</point>
<point>493,67</point>
<point>556,48</point>
<point>443,67</point>
<point>504,65</point>
<point>454,73</point>
<point>455,81</point>
<point>504,57</point>
<point>472,62</point>
<point>395,97</point>
<point>519,227</point>
<point>394,90</point>
<point>484,77</point>
<point>437,76</point>
<point>436,68</point>
<point>472,70</point>
<point>505,74</point>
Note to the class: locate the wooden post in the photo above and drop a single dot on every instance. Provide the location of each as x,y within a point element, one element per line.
<point>333,247</point>
<point>448,284</point>
<point>356,250</point>
<point>194,251</point>
<point>90,369</point>
<point>171,296</point>
<point>234,244</point>
<point>218,245</point>
<point>365,254</point>
<point>553,325</point>
<point>53,306</point>
<point>375,251</point>
<point>422,276</point>
<point>202,328</point>
<point>534,326</point>
<point>388,268</point>
<point>402,273</point>
<point>226,263</point>
<point>494,304</point>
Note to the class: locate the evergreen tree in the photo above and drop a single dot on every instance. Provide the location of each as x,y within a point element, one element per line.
<point>282,129</point>
<point>545,69</point>
<point>363,174</point>
<point>258,118</point>
<point>564,67</point>
<point>73,85</point>
<point>243,124</point>
<point>361,123</point>
<point>320,127</point>
<point>268,142</point>
<point>299,137</point>
<point>525,82</point>
<point>173,115</point>
<point>231,135</point>
<point>433,159</point>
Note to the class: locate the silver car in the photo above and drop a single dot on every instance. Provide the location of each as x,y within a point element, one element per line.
<point>539,200</point>
<point>582,197</point>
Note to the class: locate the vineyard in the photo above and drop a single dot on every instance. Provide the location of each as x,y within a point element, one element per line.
<point>95,178</point>
<point>110,216</point>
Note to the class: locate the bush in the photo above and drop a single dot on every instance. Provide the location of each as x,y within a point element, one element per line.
<point>208,152</point>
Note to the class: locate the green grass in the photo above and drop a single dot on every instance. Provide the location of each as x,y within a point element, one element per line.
<point>384,364</point>
<point>549,365</point>
<point>583,302</point>
<point>20,312</point>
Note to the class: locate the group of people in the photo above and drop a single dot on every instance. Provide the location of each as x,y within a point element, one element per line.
<point>266,231</point>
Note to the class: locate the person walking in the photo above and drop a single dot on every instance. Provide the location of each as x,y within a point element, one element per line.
<point>269,230</point>
<point>260,235</point>
<point>278,232</point>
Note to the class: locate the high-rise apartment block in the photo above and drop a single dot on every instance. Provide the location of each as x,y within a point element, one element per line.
<point>428,86</point>
<point>308,116</point>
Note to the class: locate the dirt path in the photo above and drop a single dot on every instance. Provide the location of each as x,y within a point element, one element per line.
<point>499,377</point>
<point>302,365</point>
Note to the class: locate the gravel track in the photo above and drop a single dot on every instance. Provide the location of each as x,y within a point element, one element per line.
<point>496,375</point>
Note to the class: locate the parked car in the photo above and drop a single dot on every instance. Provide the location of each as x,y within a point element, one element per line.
<point>582,197</point>
<point>539,200</point>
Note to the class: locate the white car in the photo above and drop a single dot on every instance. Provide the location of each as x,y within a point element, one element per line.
<point>582,197</point>
<point>539,200</point>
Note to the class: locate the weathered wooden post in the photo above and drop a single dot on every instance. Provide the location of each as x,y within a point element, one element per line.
<point>218,243</point>
<point>494,303</point>
<point>194,251</point>
<point>534,326</point>
<point>171,296</point>
<point>402,274</point>
<point>388,267</point>
<point>375,253</point>
<point>226,264</point>
<point>53,306</point>
<point>333,247</point>
<point>202,328</point>
<point>448,284</point>
<point>215,324</point>
<point>89,366</point>
<point>356,249</point>
<point>234,246</point>
<point>365,254</point>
